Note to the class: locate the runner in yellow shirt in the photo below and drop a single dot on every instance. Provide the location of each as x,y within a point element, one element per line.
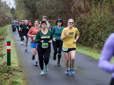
<point>70,35</point>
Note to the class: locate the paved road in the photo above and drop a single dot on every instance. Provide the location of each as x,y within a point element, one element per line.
<point>87,71</point>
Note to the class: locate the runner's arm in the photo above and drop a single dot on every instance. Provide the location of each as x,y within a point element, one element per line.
<point>48,24</point>
<point>29,32</point>
<point>77,36</point>
<point>52,30</point>
<point>107,54</point>
<point>50,41</point>
<point>63,35</point>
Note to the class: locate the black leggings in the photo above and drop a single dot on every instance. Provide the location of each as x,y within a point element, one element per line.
<point>44,55</point>
<point>26,42</point>
<point>57,45</point>
<point>21,35</point>
<point>26,36</point>
<point>112,81</point>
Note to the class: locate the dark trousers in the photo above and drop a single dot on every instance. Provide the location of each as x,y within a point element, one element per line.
<point>57,45</point>
<point>21,35</point>
<point>26,42</point>
<point>112,81</point>
<point>25,32</point>
<point>44,55</point>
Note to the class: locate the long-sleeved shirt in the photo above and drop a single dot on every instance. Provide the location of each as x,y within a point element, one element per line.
<point>107,54</point>
<point>56,32</point>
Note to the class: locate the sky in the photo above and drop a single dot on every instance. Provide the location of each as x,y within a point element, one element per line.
<point>10,3</point>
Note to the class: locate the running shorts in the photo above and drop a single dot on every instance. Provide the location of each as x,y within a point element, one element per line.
<point>34,45</point>
<point>66,50</point>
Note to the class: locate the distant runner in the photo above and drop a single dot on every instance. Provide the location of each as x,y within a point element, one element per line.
<point>25,32</point>
<point>44,18</point>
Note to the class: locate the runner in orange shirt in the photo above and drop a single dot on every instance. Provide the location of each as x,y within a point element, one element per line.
<point>32,34</point>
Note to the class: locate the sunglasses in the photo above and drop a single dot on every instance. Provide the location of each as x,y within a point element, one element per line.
<point>71,22</point>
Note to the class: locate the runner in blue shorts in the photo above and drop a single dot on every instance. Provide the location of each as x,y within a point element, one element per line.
<point>32,34</point>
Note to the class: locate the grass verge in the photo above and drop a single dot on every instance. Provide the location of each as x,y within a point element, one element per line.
<point>11,75</point>
<point>95,54</point>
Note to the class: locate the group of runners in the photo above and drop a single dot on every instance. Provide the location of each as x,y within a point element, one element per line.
<point>63,39</point>
<point>42,36</point>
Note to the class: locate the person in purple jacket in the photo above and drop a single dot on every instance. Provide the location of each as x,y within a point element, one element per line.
<point>106,56</point>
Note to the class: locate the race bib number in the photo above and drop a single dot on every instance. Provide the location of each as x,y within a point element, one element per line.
<point>45,45</point>
<point>65,49</point>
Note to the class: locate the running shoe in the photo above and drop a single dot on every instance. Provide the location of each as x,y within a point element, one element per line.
<point>36,63</point>
<point>46,69</point>
<point>22,43</point>
<point>42,73</point>
<point>67,71</point>
<point>72,71</point>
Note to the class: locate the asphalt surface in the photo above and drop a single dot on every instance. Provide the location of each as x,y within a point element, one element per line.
<point>87,72</point>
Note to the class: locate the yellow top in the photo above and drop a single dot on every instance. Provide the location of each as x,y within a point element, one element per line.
<point>69,39</point>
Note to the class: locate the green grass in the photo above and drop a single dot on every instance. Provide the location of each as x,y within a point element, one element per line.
<point>95,54</point>
<point>14,72</point>
<point>17,80</point>
<point>2,30</point>
<point>92,53</point>
<point>3,33</point>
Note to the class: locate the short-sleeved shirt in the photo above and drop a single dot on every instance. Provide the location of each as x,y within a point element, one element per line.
<point>45,37</point>
<point>33,31</point>
<point>68,41</point>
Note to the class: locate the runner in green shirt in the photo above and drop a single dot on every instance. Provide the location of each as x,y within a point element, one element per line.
<point>43,38</point>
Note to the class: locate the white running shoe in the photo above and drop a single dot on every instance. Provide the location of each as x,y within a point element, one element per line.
<point>22,43</point>
<point>67,71</point>
<point>42,73</point>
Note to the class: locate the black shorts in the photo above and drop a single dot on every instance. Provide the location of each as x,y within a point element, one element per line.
<point>67,50</point>
<point>112,81</point>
